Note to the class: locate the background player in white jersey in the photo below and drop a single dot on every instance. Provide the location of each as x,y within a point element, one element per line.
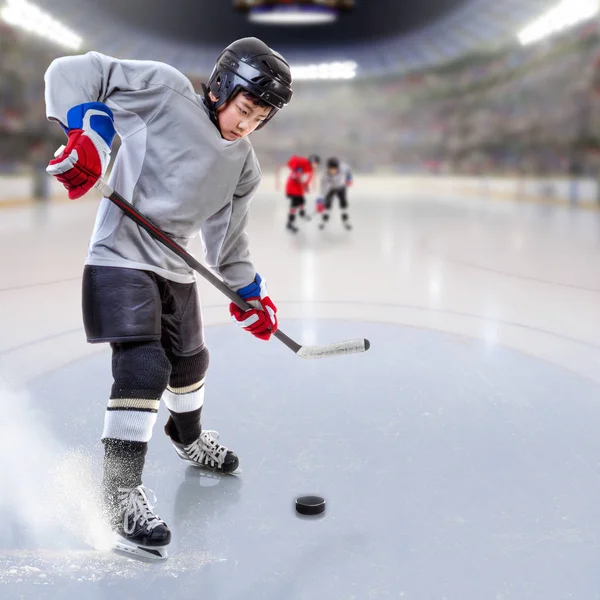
<point>335,181</point>
<point>185,163</point>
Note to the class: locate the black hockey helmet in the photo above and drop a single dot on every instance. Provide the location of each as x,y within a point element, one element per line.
<point>250,64</point>
<point>333,163</point>
<point>315,158</point>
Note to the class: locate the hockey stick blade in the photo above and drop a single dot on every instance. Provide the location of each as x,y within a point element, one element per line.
<point>347,347</point>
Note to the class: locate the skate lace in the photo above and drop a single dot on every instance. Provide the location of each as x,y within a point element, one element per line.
<point>207,450</point>
<point>138,509</point>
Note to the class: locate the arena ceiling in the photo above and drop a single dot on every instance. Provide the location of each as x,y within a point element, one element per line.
<point>216,22</point>
<point>381,36</point>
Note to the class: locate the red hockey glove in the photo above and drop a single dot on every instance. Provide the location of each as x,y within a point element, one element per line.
<point>85,158</point>
<point>260,321</point>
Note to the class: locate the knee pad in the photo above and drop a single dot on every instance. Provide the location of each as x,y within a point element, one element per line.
<point>140,370</point>
<point>188,370</point>
<point>141,373</point>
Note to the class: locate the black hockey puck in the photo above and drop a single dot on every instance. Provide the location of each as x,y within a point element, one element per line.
<point>310,505</point>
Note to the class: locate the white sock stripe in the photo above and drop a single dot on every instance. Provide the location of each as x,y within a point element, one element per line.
<point>187,389</point>
<point>129,403</point>
<point>181,403</point>
<point>131,425</point>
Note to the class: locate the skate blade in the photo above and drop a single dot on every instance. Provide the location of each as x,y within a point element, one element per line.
<point>191,463</point>
<point>148,552</point>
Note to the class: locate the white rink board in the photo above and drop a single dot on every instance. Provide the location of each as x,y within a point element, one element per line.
<point>507,188</point>
<point>20,187</point>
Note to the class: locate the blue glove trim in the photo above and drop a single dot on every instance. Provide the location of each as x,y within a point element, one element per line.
<point>102,125</point>
<point>252,290</point>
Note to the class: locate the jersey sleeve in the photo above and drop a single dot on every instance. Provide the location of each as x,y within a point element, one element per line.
<point>95,77</point>
<point>226,243</point>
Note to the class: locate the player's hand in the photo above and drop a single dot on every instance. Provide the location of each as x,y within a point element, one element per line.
<point>261,320</point>
<point>86,156</point>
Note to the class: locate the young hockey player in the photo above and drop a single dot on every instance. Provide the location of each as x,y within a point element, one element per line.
<point>301,173</point>
<point>185,163</point>
<point>335,181</point>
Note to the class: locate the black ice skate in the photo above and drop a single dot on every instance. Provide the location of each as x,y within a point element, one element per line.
<point>205,452</point>
<point>137,529</point>
<point>347,225</point>
<point>291,228</point>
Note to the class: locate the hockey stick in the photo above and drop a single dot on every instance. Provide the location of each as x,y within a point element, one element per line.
<point>346,347</point>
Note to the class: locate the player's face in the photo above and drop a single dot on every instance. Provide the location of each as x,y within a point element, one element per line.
<point>239,117</point>
<point>332,171</point>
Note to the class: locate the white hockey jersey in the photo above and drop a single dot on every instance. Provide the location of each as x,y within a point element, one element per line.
<point>337,181</point>
<point>173,165</point>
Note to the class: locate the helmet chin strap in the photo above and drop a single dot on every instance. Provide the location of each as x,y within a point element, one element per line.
<point>212,107</point>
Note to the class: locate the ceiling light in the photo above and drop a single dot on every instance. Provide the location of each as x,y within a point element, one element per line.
<point>293,12</point>
<point>292,15</point>
<point>563,15</point>
<point>33,19</point>
<point>334,70</point>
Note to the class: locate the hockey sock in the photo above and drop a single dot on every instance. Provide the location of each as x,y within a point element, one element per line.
<point>185,406</point>
<point>141,373</point>
<point>123,465</point>
<point>184,396</point>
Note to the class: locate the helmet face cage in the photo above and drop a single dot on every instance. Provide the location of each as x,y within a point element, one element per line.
<point>231,75</point>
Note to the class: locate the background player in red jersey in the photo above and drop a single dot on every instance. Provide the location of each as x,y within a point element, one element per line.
<point>301,172</point>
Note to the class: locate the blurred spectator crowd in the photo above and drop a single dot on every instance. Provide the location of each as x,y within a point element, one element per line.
<point>25,134</point>
<point>526,110</point>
